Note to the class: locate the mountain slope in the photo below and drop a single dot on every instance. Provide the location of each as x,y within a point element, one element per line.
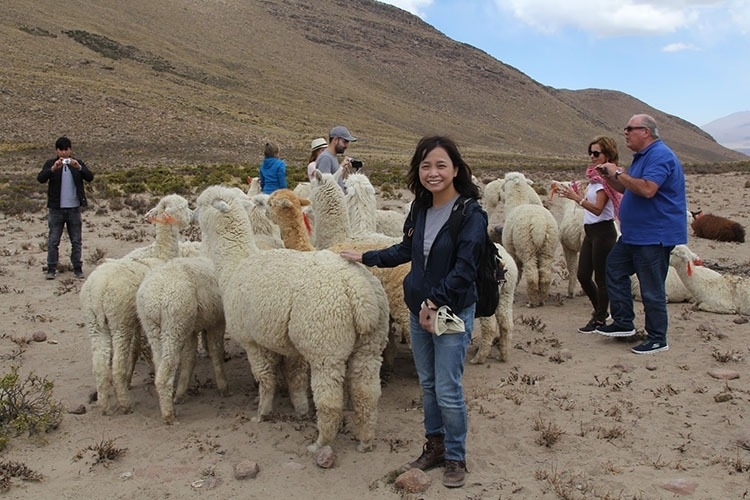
<point>732,131</point>
<point>185,81</point>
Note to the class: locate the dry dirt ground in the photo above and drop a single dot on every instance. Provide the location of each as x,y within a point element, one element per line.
<point>568,416</point>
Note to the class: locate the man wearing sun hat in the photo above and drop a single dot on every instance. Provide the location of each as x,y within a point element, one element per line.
<point>316,148</point>
<point>338,140</point>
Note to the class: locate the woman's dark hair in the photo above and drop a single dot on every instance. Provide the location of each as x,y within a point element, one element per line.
<point>462,182</point>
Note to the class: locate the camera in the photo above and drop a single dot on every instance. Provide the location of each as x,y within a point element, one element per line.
<point>356,164</point>
<point>66,161</point>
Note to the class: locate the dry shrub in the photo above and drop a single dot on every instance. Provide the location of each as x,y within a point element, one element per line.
<point>549,433</point>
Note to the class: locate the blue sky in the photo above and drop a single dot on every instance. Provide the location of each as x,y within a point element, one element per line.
<point>689,58</point>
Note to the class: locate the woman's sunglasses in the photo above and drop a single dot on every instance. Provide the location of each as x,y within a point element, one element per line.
<point>595,153</point>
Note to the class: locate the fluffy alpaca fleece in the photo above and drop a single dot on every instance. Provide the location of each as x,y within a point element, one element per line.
<point>500,325</point>
<point>715,227</point>
<point>286,211</point>
<point>175,302</point>
<point>390,223</point>
<point>361,205</point>
<point>712,292</point>
<point>331,213</point>
<point>108,305</point>
<point>311,307</point>
<point>530,235</point>
<point>571,233</point>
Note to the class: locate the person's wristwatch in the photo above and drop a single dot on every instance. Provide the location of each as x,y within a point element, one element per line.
<point>618,172</point>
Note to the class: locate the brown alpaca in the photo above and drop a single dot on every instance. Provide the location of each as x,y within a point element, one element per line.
<point>286,211</point>
<point>715,227</point>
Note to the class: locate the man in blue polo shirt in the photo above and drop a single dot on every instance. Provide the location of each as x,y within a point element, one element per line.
<point>652,221</point>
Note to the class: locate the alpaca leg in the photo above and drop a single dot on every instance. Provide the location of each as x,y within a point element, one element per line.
<point>164,382</point>
<point>122,367</point>
<point>263,364</point>
<point>327,383</point>
<point>487,333</point>
<point>532,284</point>
<point>363,377</point>
<point>545,279</point>
<point>504,318</point>
<point>214,339</point>
<point>187,356</point>
<point>571,262</point>
<point>101,353</point>
<point>296,374</point>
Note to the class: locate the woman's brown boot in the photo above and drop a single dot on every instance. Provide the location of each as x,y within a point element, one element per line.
<point>433,454</point>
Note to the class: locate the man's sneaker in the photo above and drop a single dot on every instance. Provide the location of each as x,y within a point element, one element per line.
<point>614,330</point>
<point>591,326</point>
<point>455,473</point>
<point>650,347</point>
<point>79,274</point>
<point>50,275</point>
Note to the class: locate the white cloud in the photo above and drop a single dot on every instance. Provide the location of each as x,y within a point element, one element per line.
<point>416,7</point>
<point>678,47</point>
<point>606,18</point>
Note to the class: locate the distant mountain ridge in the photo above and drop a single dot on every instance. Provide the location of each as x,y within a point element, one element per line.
<point>732,131</point>
<point>183,82</point>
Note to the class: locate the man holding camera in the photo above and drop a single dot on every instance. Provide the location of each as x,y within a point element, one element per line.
<point>65,197</point>
<point>328,163</point>
<point>652,221</point>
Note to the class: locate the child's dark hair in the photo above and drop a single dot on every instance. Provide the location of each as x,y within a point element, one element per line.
<point>462,182</point>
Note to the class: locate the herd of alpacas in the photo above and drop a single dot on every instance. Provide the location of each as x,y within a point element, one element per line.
<point>332,333</point>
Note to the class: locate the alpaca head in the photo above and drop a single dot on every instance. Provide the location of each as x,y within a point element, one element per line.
<point>172,209</point>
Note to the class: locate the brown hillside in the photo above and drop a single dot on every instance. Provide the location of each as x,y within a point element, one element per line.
<point>185,82</point>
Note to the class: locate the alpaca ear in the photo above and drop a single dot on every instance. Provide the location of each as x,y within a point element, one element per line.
<point>220,205</point>
<point>304,202</point>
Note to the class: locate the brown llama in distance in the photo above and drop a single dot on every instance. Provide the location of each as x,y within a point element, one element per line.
<point>715,227</point>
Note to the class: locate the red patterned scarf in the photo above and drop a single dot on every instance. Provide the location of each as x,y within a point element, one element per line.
<point>595,177</point>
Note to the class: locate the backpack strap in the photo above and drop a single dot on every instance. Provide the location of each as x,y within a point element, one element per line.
<point>456,218</point>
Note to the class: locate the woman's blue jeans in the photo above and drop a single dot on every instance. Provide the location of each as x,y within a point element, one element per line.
<point>650,264</point>
<point>440,366</point>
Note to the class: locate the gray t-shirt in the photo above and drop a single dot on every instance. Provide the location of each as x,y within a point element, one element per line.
<point>68,193</point>
<point>327,163</point>
<point>436,218</point>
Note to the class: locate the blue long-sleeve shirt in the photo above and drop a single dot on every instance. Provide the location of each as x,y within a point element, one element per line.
<point>272,175</point>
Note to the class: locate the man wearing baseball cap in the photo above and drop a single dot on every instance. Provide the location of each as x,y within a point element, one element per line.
<point>338,140</point>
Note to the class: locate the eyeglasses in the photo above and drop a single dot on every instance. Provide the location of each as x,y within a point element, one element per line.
<point>595,153</point>
<point>630,129</point>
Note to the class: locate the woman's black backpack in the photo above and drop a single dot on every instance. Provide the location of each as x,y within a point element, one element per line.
<point>490,268</point>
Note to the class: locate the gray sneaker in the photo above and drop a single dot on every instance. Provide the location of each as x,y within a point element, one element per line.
<point>50,275</point>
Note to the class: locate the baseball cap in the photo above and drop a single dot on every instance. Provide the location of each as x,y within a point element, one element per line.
<point>317,144</point>
<point>343,132</point>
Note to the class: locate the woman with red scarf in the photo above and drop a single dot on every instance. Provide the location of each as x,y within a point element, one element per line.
<point>601,204</point>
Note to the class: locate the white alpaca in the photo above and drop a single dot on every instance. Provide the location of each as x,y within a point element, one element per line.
<point>108,305</point>
<point>175,302</point>
<point>500,325</point>
<point>311,307</point>
<point>331,214</point>
<point>712,292</point>
<point>530,235</point>
<point>571,233</point>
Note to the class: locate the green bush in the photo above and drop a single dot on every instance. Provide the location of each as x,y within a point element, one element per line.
<point>27,406</point>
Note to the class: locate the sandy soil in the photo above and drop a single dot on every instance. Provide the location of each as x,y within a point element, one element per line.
<point>568,416</point>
